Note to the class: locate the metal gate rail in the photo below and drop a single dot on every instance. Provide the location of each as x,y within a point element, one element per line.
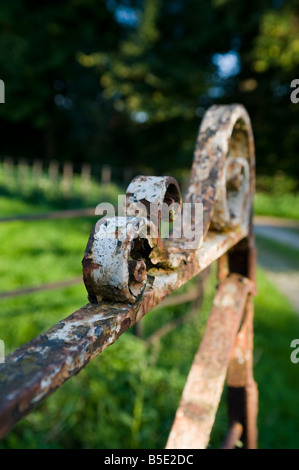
<point>128,269</point>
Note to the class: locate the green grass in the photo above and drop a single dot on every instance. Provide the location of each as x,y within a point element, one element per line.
<point>277,196</point>
<point>277,205</point>
<point>276,326</point>
<point>27,196</point>
<point>37,252</point>
<point>127,397</point>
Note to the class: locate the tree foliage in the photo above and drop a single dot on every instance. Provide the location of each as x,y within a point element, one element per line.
<point>127,81</point>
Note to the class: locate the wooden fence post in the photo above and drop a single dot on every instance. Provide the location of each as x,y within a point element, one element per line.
<point>85,178</point>
<point>67,177</point>
<point>22,171</point>
<point>127,175</point>
<point>106,174</point>
<point>53,171</point>
<point>105,178</point>
<point>8,168</point>
<point>37,171</point>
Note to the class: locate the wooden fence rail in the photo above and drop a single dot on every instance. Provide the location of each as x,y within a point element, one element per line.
<point>128,269</point>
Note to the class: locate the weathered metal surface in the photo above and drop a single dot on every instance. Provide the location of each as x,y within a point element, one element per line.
<point>222,267</point>
<point>117,243</point>
<point>234,434</point>
<point>196,413</point>
<point>158,198</point>
<point>242,256</point>
<point>241,383</point>
<point>36,369</point>
<point>128,270</point>
<point>242,393</point>
<point>222,179</point>
<point>155,190</point>
<point>113,245</point>
<point>233,201</point>
<point>225,133</point>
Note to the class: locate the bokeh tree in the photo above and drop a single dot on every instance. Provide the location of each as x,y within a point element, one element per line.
<point>49,96</point>
<point>127,81</point>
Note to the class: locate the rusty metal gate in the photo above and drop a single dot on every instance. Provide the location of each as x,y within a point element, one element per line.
<point>129,267</point>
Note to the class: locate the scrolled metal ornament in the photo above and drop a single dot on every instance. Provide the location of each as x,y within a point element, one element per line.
<point>117,260</point>
<point>113,266</point>
<point>222,173</point>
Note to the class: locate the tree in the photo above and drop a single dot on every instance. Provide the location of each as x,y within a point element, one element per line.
<point>38,62</point>
<point>127,81</point>
<point>167,70</point>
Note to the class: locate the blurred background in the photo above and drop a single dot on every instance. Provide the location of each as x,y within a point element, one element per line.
<point>97,92</point>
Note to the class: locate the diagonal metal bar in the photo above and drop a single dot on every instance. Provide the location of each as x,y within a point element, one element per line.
<point>38,368</point>
<point>200,399</point>
<point>242,388</point>
<point>233,436</point>
<point>42,287</point>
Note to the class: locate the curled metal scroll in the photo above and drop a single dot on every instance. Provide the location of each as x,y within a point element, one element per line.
<point>113,263</point>
<point>121,250</point>
<point>225,136</point>
<point>152,190</point>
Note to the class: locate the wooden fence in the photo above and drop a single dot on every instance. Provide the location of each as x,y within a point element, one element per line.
<point>63,175</point>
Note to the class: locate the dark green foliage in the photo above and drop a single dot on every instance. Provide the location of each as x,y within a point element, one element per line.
<point>39,44</point>
<point>126,82</point>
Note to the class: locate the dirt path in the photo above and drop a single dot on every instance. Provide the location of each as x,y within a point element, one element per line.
<point>281,266</point>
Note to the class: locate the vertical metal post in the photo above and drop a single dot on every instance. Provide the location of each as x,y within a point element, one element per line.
<point>242,394</point>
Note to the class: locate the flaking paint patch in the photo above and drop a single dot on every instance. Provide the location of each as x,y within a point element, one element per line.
<point>66,333</point>
<point>150,188</point>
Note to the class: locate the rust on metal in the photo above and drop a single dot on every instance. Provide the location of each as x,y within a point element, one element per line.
<point>225,133</point>
<point>240,378</point>
<point>128,269</point>
<point>154,190</point>
<point>222,267</point>
<point>196,413</point>
<point>117,242</point>
<point>222,179</point>
<point>113,243</point>
<point>234,434</point>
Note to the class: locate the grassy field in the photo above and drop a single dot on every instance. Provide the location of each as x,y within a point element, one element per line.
<point>286,205</point>
<point>127,397</point>
<point>277,196</point>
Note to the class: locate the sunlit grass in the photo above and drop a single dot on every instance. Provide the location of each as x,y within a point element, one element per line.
<point>127,397</point>
<point>277,205</point>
